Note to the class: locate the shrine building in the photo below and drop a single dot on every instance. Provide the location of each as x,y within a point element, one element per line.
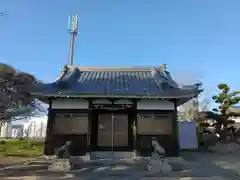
<point>104,110</point>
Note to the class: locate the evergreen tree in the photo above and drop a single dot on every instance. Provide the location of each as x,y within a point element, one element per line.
<point>225,99</point>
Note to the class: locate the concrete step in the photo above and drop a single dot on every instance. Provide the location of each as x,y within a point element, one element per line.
<point>95,155</point>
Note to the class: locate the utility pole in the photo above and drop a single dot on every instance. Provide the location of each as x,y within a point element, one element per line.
<point>73,30</point>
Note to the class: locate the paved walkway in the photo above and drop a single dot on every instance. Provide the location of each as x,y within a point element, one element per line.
<point>198,166</point>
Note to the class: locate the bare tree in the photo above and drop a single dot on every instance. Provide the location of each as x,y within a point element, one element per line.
<point>191,109</point>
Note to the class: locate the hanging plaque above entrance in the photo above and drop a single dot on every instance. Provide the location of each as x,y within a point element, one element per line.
<point>112,106</point>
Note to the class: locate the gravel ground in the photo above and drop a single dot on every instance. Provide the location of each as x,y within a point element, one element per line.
<point>8,160</point>
<point>198,166</point>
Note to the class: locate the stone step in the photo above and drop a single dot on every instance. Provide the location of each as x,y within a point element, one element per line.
<point>111,155</point>
<point>60,165</point>
<point>162,168</point>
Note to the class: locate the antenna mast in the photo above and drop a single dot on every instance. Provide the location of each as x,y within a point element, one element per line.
<point>73,30</point>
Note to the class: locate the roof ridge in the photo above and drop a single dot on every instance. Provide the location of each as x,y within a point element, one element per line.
<point>114,68</point>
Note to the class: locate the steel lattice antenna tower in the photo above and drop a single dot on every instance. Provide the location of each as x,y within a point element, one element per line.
<point>73,30</point>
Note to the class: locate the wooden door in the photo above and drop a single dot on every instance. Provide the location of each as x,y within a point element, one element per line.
<point>120,134</point>
<point>105,129</point>
<point>112,130</point>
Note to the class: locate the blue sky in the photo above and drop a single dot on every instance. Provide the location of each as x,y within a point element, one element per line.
<point>197,38</point>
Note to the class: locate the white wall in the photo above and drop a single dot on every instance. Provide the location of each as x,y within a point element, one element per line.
<point>6,130</point>
<point>83,104</point>
<point>69,104</point>
<point>155,104</point>
<point>17,132</point>
<point>35,128</point>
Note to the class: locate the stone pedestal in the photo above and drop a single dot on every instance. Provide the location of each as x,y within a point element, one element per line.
<point>159,165</point>
<point>157,162</point>
<point>60,165</point>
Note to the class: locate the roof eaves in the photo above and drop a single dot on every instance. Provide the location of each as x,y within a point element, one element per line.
<point>84,95</point>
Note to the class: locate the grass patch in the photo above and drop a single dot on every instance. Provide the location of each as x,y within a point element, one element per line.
<point>21,148</point>
<point>13,151</point>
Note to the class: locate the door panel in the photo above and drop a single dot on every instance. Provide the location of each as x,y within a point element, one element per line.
<point>120,134</point>
<point>112,130</point>
<point>105,130</point>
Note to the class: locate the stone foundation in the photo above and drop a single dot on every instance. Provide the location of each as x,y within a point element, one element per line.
<point>60,165</point>
<point>159,165</point>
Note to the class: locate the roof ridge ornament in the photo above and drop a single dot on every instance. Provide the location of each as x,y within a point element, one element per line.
<point>163,67</point>
<point>64,71</point>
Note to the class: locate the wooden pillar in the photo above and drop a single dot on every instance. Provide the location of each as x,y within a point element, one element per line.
<point>94,126</point>
<point>134,126</point>
<point>90,123</point>
<point>49,143</point>
<point>175,150</point>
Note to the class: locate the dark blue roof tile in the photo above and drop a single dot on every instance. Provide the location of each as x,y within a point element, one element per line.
<point>126,81</point>
<point>110,82</point>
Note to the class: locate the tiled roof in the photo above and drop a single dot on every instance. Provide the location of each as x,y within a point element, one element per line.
<point>149,81</point>
<point>234,110</point>
<point>211,115</point>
